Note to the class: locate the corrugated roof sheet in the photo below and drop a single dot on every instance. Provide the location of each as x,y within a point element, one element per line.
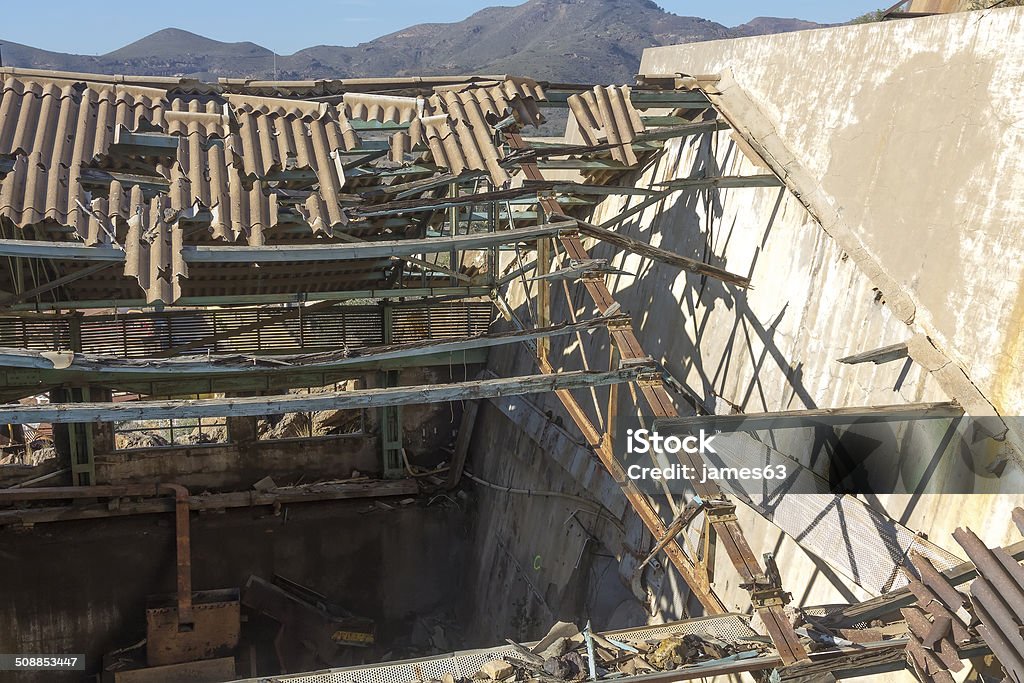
<point>606,115</point>
<point>98,155</point>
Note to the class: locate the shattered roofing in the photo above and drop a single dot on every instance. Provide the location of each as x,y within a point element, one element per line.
<point>146,163</point>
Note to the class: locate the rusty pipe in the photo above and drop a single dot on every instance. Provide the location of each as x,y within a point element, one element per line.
<point>183,552</point>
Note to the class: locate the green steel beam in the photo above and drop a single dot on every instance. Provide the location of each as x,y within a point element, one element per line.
<point>15,387</point>
<point>328,251</point>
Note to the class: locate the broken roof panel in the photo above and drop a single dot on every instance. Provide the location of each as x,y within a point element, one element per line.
<point>606,115</point>
<point>146,163</point>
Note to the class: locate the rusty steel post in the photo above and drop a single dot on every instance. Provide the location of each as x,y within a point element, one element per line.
<point>183,552</point>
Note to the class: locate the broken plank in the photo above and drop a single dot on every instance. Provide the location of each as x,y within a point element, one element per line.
<point>885,354</point>
<point>211,501</point>
<point>469,412</point>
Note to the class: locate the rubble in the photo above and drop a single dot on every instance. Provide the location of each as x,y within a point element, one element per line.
<point>564,655</point>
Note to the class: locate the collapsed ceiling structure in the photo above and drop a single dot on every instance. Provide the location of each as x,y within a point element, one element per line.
<point>178,252</point>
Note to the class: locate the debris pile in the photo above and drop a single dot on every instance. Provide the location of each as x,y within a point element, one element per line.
<point>568,654</point>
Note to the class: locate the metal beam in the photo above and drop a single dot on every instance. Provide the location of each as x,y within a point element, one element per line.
<point>207,501</point>
<point>54,284</point>
<point>802,418</point>
<point>724,182</point>
<point>885,354</point>
<point>59,413</point>
<point>287,253</point>
<point>767,597</point>
<point>661,255</point>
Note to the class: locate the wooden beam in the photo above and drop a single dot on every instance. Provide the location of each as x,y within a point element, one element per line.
<point>661,255</point>
<point>885,354</point>
<point>59,413</point>
<point>209,501</point>
<point>469,413</point>
<point>803,418</point>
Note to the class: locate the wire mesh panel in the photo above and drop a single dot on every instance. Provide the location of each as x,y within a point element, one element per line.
<point>36,334</point>
<point>246,330</point>
<point>464,664</point>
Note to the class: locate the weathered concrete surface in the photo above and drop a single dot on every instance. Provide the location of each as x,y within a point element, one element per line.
<point>81,587</point>
<point>916,142</point>
<point>914,130</point>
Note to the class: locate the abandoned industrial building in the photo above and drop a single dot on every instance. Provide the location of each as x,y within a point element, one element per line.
<point>344,380</point>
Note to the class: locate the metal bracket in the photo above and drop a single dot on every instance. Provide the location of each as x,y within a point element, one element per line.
<point>623,323</point>
<point>719,511</point>
<point>770,597</point>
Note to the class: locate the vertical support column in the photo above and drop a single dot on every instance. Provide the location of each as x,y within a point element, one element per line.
<point>390,416</point>
<point>75,440</point>
<point>543,293</point>
<point>453,221</point>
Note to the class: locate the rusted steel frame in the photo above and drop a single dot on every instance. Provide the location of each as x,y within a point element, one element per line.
<point>892,601</point>
<point>640,503</point>
<point>929,600</point>
<point>939,584</point>
<point>183,551</point>
<point>1004,574</point>
<point>781,631</point>
<point>942,648</point>
<point>1001,631</point>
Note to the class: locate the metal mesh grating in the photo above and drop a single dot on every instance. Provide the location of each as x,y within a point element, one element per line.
<point>465,664</point>
<point>140,335</point>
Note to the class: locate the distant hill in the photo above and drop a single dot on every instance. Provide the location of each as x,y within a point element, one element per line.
<point>559,40</point>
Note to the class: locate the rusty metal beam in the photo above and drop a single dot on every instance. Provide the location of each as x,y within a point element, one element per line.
<point>768,600</point>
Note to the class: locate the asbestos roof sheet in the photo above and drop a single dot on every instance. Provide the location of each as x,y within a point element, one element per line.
<point>151,164</point>
<point>606,115</point>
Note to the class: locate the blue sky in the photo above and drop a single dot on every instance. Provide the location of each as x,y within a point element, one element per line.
<point>63,26</point>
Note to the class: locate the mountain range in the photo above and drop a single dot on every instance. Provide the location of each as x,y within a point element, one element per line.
<point>598,41</point>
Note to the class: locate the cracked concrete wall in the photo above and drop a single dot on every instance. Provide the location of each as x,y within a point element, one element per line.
<point>916,142</point>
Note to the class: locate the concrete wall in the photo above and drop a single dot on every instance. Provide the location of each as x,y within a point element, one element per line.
<point>81,587</point>
<point>914,129</point>
<point>428,432</point>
